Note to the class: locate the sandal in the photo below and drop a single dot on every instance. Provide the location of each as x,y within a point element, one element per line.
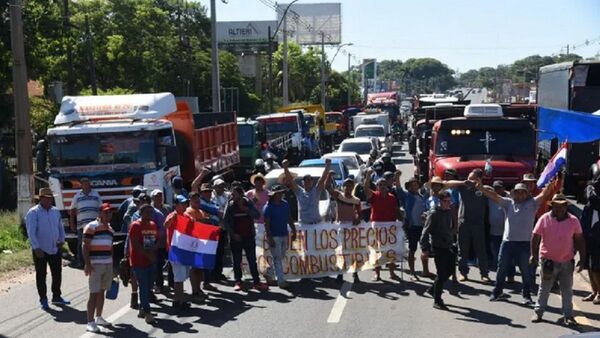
<point>596,300</point>
<point>589,297</point>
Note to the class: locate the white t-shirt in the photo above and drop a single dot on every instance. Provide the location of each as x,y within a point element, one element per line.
<point>88,207</point>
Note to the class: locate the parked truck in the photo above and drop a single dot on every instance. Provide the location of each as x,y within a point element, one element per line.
<point>290,124</point>
<point>499,140</point>
<point>386,102</point>
<point>122,141</point>
<point>574,86</point>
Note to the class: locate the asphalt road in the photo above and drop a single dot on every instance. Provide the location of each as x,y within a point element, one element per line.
<point>313,308</point>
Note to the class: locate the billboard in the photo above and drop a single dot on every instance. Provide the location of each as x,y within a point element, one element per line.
<point>244,32</point>
<point>306,23</point>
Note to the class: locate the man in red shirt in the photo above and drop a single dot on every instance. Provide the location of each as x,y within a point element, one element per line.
<point>556,236</point>
<point>143,236</point>
<point>384,208</point>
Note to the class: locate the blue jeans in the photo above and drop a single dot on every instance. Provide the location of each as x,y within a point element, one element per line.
<point>495,242</point>
<point>145,279</point>
<point>519,252</point>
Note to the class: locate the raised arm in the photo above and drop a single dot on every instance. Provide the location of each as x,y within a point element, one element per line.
<point>454,183</point>
<point>367,184</point>
<point>324,175</point>
<point>489,193</point>
<point>289,179</point>
<point>546,193</point>
<point>198,180</point>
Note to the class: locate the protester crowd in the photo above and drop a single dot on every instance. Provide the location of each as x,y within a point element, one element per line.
<point>458,223</point>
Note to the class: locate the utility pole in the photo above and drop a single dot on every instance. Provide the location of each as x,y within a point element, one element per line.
<point>67,34</point>
<point>22,121</point>
<point>567,49</point>
<point>216,86</point>
<point>270,89</point>
<point>349,82</point>
<point>90,50</point>
<point>323,91</point>
<point>286,97</point>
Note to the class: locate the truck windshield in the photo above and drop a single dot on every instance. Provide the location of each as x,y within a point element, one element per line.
<point>519,142</point>
<point>280,125</point>
<point>333,118</point>
<point>245,135</point>
<point>105,149</point>
<point>359,148</point>
<point>370,132</point>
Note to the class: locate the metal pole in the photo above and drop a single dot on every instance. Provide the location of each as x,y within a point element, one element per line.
<point>270,89</point>
<point>216,86</point>
<point>323,91</point>
<point>67,32</point>
<point>22,120</point>
<point>90,50</point>
<point>349,82</point>
<point>286,97</point>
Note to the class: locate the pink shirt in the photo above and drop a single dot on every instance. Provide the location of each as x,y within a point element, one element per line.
<point>557,237</point>
<point>259,200</point>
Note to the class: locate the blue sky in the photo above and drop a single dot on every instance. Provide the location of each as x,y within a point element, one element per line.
<point>463,34</point>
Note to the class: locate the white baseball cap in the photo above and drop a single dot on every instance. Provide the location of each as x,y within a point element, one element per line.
<point>155,192</point>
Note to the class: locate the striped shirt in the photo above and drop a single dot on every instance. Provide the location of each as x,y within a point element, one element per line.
<point>100,237</point>
<point>87,206</point>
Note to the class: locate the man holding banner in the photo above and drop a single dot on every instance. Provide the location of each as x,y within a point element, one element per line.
<point>384,208</point>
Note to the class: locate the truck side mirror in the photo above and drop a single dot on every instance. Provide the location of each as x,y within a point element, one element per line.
<point>41,156</point>
<point>412,146</point>
<point>172,156</point>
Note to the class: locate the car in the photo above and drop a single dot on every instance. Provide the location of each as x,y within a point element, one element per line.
<point>360,145</point>
<point>356,166</point>
<point>341,171</point>
<point>273,175</point>
<point>372,130</point>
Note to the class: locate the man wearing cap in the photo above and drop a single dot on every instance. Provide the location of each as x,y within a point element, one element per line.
<point>85,208</point>
<point>386,158</point>
<point>471,224</point>
<point>46,236</point>
<point>277,217</point>
<point>143,239</point>
<point>308,195</point>
<point>221,198</point>
<point>177,186</point>
<point>98,259</point>
<point>415,206</point>
<point>556,236</point>
<point>384,208</point>
<point>520,211</point>
<point>435,186</point>
<point>496,219</point>
<point>161,211</point>
<point>259,195</point>
<point>180,272</point>
<point>119,222</point>
<point>131,216</point>
<point>219,195</point>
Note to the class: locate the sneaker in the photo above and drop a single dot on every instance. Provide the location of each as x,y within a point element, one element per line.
<point>496,298</point>
<point>536,318</point>
<point>101,321</point>
<point>261,286</point>
<point>92,327</point>
<point>486,279</point>
<point>209,287</point>
<point>430,291</point>
<point>237,286</point>
<point>527,301</point>
<point>141,314</point>
<point>60,301</point>
<point>463,278</point>
<point>44,304</point>
<point>134,301</point>
<point>283,285</point>
<point>440,306</point>
<point>570,321</point>
<point>149,318</point>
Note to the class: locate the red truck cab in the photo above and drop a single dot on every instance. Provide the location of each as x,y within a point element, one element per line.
<point>504,147</point>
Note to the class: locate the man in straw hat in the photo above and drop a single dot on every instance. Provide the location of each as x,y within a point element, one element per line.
<point>556,236</point>
<point>46,236</point>
<point>520,209</point>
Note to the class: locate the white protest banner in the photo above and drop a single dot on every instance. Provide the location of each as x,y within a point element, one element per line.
<point>328,249</point>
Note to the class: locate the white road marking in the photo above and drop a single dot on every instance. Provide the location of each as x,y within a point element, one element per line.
<point>113,318</point>
<point>340,303</point>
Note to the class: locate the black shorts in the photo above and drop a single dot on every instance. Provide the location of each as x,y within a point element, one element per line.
<point>593,262</point>
<point>414,236</point>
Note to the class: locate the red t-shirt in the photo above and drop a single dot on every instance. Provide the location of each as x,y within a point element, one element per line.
<point>171,224</point>
<point>384,208</point>
<point>147,236</point>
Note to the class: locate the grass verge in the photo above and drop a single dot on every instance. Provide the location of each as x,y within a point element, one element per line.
<point>14,249</point>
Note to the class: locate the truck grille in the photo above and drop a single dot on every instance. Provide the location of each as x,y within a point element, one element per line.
<point>114,196</point>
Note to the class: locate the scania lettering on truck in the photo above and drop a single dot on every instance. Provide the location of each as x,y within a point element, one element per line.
<point>122,141</point>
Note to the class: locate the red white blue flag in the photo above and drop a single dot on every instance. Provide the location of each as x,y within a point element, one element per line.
<point>194,246</point>
<point>553,167</point>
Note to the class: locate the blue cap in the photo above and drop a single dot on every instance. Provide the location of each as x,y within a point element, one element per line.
<point>181,199</point>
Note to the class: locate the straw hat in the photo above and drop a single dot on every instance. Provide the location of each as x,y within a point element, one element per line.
<point>45,192</point>
<point>255,176</point>
<point>436,180</point>
<point>559,199</point>
<point>529,177</point>
<point>205,187</point>
<point>281,178</point>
